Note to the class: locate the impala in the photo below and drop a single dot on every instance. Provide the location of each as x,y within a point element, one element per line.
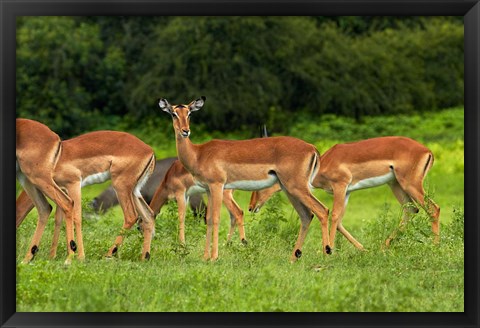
<point>38,150</point>
<point>178,184</point>
<point>248,165</point>
<point>400,162</point>
<point>108,198</point>
<point>94,158</point>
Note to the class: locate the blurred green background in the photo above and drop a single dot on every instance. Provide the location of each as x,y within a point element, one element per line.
<point>78,74</point>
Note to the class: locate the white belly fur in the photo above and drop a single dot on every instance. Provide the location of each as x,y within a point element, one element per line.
<point>96,178</point>
<point>195,189</point>
<point>372,182</point>
<point>251,185</point>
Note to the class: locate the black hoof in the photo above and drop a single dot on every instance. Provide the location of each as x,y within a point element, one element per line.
<point>244,242</point>
<point>147,256</point>
<point>114,250</point>
<point>328,249</point>
<point>34,249</point>
<point>73,246</point>
<point>298,253</point>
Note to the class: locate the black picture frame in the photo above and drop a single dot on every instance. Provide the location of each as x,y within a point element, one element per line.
<point>10,9</point>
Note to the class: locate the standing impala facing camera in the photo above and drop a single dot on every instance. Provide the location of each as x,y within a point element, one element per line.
<point>400,162</point>
<point>249,165</point>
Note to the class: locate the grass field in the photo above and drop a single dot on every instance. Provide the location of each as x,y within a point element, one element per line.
<point>411,275</point>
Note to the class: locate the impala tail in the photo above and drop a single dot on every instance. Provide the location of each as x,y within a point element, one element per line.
<point>147,172</point>
<point>429,164</point>
<point>315,167</point>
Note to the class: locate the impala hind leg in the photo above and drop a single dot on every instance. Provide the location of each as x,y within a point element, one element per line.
<point>306,217</point>
<point>130,216</point>
<point>412,185</point>
<point>44,182</point>
<point>148,225</point>
<point>44,209</point>
<point>303,196</point>
<point>236,216</point>
<point>408,210</point>
<point>74,224</point>
<point>56,232</point>
<point>23,206</point>
<point>432,209</point>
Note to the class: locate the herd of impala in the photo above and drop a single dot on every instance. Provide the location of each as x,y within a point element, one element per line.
<point>46,166</point>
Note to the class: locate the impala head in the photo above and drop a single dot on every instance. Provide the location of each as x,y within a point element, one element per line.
<point>181,114</point>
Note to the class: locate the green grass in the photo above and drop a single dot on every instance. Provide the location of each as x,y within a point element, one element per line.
<point>412,275</point>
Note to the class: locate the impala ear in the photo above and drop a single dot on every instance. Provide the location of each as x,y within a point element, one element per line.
<point>165,106</point>
<point>197,104</point>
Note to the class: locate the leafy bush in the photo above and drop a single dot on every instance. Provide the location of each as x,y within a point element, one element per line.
<point>439,127</point>
<point>66,77</point>
<point>78,74</point>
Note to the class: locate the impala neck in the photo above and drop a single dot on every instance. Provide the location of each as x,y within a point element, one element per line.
<point>186,152</point>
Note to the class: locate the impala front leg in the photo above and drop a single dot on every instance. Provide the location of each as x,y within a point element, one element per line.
<point>344,231</point>
<point>127,225</point>
<point>434,212</point>
<point>181,203</point>
<point>208,216</point>
<point>216,192</point>
<point>339,201</point>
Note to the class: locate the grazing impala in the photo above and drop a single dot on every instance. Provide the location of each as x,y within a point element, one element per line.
<point>178,184</point>
<point>38,150</point>
<point>108,198</point>
<point>94,158</point>
<point>248,165</point>
<point>400,162</point>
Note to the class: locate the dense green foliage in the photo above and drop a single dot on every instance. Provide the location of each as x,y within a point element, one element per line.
<point>79,74</point>
<point>67,77</point>
<point>412,275</point>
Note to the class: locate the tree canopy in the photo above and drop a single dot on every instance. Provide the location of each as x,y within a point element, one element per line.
<point>77,74</point>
